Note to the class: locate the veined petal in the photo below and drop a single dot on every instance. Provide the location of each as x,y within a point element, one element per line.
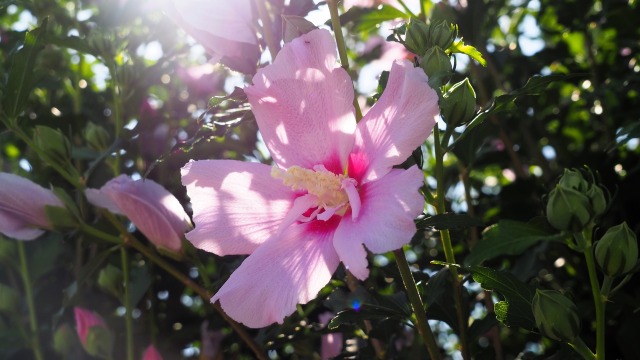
<point>397,124</point>
<point>289,269</point>
<point>236,205</point>
<point>385,223</point>
<point>16,228</point>
<point>151,208</point>
<point>303,104</point>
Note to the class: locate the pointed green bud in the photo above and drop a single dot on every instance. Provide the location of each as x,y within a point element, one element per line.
<point>617,250</point>
<point>442,34</point>
<point>573,179</point>
<point>568,209</point>
<point>556,315</point>
<point>458,104</point>
<point>597,199</point>
<point>416,39</point>
<point>97,137</point>
<point>437,65</point>
<point>52,142</point>
<point>60,218</point>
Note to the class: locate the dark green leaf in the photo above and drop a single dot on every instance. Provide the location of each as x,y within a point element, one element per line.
<point>449,221</point>
<point>22,77</point>
<point>365,312</point>
<point>438,298</point>
<point>140,282</point>
<point>515,310</point>
<point>508,237</point>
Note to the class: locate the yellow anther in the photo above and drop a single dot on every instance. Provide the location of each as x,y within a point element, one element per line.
<point>319,182</point>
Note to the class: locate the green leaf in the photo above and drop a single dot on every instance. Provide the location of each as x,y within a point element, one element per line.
<point>140,282</point>
<point>9,299</point>
<point>365,312</point>
<point>508,237</point>
<point>438,298</point>
<point>449,221</point>
<point>515,310</point>
<point>371,20</point>
<point>22,77</point>
<point>460,47</point>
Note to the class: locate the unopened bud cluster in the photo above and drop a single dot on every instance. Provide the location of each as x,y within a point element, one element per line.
<point>575,202</point>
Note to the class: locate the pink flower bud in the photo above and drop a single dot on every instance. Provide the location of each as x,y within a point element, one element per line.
<point>151,353</point>
<point>85,320</point>
<point>22,207</point>
<point>151,208</point>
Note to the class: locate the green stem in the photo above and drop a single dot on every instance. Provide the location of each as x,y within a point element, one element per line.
<point>342,48</point>
<point>598,299</point>
<point>131,241</point>
<point>115,92</point>
<point>416,303</point>
<point>128,316</point>
<point>447,247</point>
<point>581,348</point>
<point>33,320</point>
<point>272,44</point>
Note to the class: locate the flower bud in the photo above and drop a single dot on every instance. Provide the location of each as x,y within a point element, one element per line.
<point>64,341</point>
<point>442,34</point>
<point>94,335</point>
<point>97,137</point>
<point>437,65</point>
<point>555,315</point>
<point>617,250</point>
<point>52,142</point>
<point>458,103</point>
<point>573,179</point>
<point>151,353</point>
<point>597,199</point>
<point>416,39</point>
<point>568,209</point>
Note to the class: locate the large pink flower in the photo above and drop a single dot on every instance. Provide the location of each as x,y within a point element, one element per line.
<point>225,28</point>
<point>331,191</point>
<point>22,207</point>
<point>151,208</point>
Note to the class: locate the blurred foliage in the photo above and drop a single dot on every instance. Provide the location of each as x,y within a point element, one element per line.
<point>560,90</point>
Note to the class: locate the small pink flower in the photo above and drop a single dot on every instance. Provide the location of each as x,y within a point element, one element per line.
<point>151,208</point>
<point>331,344</point>
<point>85,320</point>
<point>332,192</point>
<point>151,353</point>
<point>22,207</point>
<point>225,28</point>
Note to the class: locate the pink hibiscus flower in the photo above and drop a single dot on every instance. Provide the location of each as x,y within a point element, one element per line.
<point>331,191</point>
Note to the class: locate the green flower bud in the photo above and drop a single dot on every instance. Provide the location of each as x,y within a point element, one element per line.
<point>556,315</point>
<point>99,342</point>
<point>65,341</point>
<point>459,103</point>
<point>442,34</point>
<point>437,65</point>
<point>568,209</point>
<point>416,39</point>
<point>573,179</point>
<point>52,142</point>
<point>97,137</point>
<point>617,250</point>
<point>597,199</point>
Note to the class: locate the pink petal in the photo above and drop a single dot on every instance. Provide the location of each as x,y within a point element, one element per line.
<point>286,270</point>
<point>224,28</point>
<point>236,205</point>
<point>303,104</point>
<point>396,125</point>
<point>151,353</point>
<point>22,206</point>
<point>385,223</point>
<point>151,208</point>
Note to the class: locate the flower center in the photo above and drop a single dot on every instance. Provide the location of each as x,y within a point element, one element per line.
<point>327,192</point>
